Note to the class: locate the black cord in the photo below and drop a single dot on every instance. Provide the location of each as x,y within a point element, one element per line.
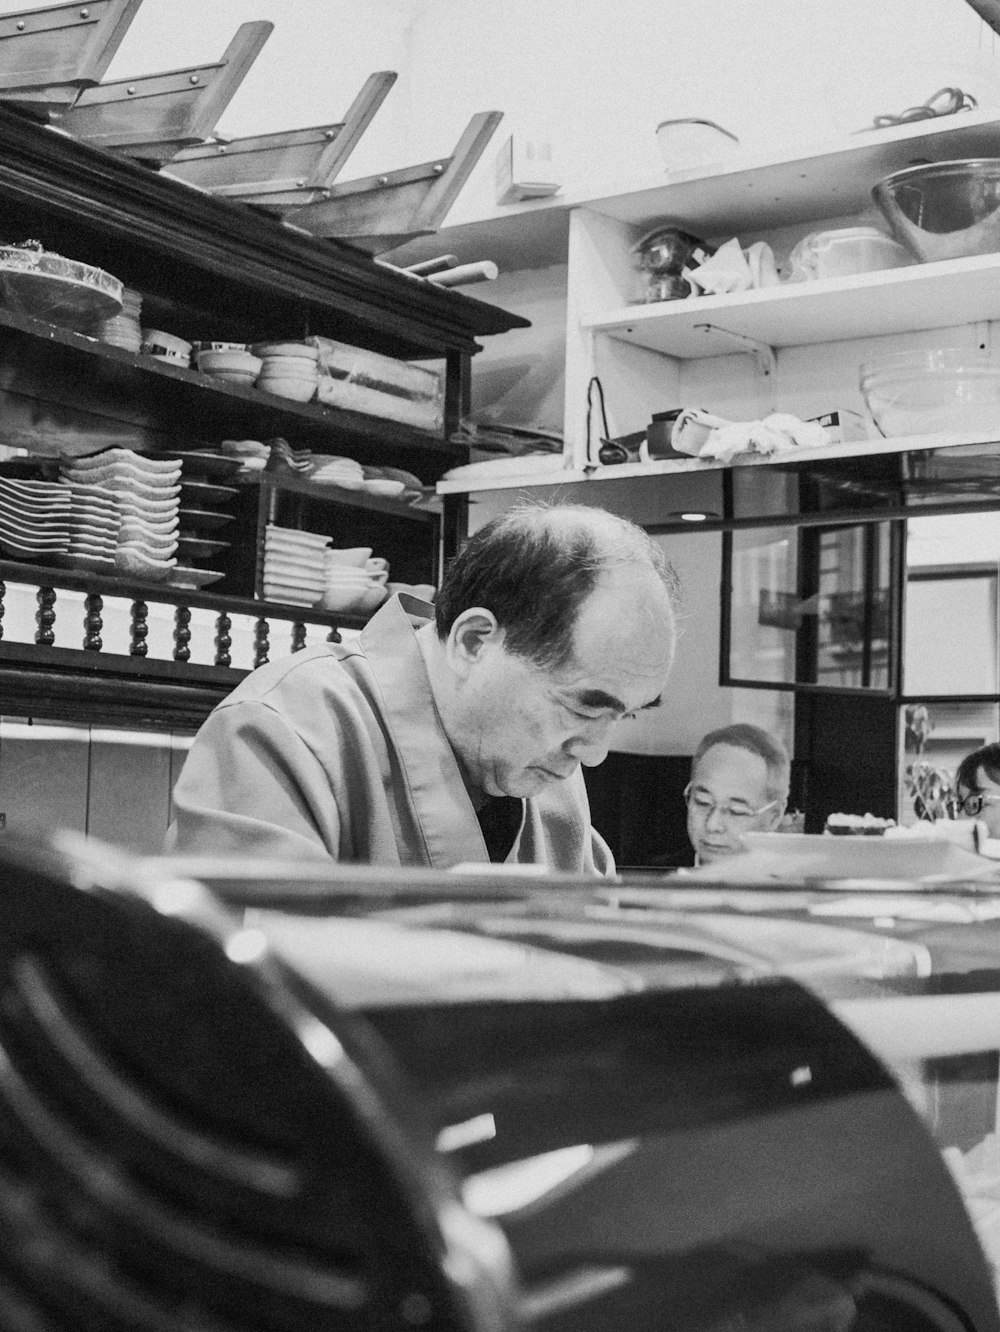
<point>596,383</point>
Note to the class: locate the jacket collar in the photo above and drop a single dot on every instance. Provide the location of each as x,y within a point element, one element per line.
<point>431,772</point>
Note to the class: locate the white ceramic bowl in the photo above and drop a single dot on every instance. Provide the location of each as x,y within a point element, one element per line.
<point>347,578</point>
<point>294,536</point>
<point>297,390</point>
<point>165,345</point>
<point>230,361</point>
<point>357,556</point>
<point>301,350</point>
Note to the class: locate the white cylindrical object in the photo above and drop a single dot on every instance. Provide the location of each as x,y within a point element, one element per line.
<point>485,271</point>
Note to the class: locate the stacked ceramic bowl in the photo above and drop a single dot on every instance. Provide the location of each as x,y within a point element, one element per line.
<point>165,347</point>
<point>123,330</point>
<point>147,495</point>
<point>294,566</point>
<point>34,519</point>
<point>355,582</point>
<point>289,369</point>
<point>231,365</point>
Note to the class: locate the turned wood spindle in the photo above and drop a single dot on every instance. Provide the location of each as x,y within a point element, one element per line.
<point>138,629</point>
<point>3,593</point>
<point>261,643</point>
<point>298,636</point>
<point>45,616</point>
<point>182,633</point>
<point>93,622</point>
<point>223,642</point>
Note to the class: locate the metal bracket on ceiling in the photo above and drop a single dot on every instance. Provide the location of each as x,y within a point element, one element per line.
<point>763,352</point>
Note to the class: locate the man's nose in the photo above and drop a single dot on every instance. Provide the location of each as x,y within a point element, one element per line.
<point>590,745</point>
<point>715,818</point>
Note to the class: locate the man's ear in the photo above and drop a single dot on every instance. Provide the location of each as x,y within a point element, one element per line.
<point>471,633</point>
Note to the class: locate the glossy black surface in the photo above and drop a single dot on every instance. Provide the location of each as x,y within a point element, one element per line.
<point>646,1096</point>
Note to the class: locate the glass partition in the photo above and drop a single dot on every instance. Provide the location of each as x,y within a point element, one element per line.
<point>950,638</point>
<point>809,606</point>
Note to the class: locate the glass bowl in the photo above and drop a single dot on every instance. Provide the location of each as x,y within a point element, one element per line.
<point>944,210</point>
<point>950,389</point>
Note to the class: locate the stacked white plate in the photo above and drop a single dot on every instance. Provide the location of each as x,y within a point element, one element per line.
<point>34,518</point>
<point>94,526</point>
<point>123,330</point>
<point>343,472</point>
<point>294,565</point>
<point>147,494</point>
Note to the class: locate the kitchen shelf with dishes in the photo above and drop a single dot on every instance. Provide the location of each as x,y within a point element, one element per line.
<point>91,402</point>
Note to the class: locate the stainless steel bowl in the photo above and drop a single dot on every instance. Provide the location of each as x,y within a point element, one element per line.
<point>944,210</point>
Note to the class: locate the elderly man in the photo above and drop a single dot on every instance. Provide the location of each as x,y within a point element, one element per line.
<point>461,740</point>
<point>739,783</point>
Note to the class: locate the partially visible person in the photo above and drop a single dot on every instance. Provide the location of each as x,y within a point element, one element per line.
<point>462,739</point>
<point>977,782</point>
<point>739,783</point>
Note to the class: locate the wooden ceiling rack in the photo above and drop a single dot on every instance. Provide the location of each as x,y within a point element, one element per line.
<point>155,116</point>
<point>380,212</point>
<point>49,56</point>
<point>287,168</point>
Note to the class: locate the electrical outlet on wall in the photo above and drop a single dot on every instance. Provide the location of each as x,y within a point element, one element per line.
<point>525,169</point>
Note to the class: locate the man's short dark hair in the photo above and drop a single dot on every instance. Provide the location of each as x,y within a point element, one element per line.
<point>741,735</point>
<point>534,566</point>
<point>987,758</point>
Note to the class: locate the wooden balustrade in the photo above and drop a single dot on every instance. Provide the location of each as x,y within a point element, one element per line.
<point>44,680</point>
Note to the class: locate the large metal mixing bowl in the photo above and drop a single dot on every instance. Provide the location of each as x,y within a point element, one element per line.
<point>944,210</point>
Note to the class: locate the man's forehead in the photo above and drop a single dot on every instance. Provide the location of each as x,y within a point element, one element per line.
<point>732,766</point>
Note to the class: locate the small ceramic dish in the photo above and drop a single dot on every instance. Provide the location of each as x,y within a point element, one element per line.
<point>301,350</point>
<point>297,390</point>
<point>298,537</point>
<point>157,343</point>
<point>192,579</point>
<point>289,593</point>
<point>387,489</point>
<point>223,362</point>
<point>357,556</point>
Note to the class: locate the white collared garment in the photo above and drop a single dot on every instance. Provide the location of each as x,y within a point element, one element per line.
<point>338,752</point>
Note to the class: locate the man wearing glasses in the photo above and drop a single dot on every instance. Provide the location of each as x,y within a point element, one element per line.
<point>977,781</point>
<point>739,783</point>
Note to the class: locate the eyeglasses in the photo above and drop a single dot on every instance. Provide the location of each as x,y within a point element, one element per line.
<point>972,805</point>
<point>733,813</point>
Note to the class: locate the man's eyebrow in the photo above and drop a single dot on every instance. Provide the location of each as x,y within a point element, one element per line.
<point>597,698</point>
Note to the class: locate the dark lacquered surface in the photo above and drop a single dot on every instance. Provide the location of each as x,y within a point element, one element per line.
<point>647,1093</point>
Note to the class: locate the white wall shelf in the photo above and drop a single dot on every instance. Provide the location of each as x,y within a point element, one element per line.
<point>677,466</point>
<point>899,300</point>
<point>813,181</point>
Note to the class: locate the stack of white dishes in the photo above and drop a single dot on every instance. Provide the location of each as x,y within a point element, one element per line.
<point>123,330</point>
<point>355,582</point>
<point>343,472</point>
<point>34,518</point>
<point>294,565</point>
<point>231,365</point>
<point>94,525</point>
<point>147,496</point>
<point>289,369</point>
